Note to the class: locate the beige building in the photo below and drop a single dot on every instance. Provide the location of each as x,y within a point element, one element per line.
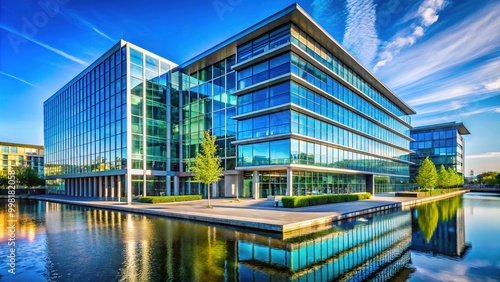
<point>14,154</point>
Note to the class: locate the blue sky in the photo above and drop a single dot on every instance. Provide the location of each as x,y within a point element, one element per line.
<point>441,57</point>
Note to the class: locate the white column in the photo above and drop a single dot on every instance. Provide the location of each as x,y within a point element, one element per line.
<point>119,187</point>
<point>255,184</point>
<point>112,187</point>
<point>289,182</point>
<point>106,185</point>
<point>129,187</point>
<point>214,187</point>
<point>95,187</point>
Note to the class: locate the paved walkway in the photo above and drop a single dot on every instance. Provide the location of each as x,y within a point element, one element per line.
<point>258,214</point>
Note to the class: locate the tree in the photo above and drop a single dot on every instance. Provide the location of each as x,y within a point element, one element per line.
<point>207,168</point>
<point>4,180</point>
<point>489,177</point>
<point>443,177</point>
<point>427,176</point>
<point>26,176</point>
<point>456,179</point>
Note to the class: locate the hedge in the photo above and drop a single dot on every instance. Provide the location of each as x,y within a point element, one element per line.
<point>439,191</point>
<point>304,201</point>
<point>168,199</point>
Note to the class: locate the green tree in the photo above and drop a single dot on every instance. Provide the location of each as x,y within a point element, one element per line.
<point>4,180</point>
<point>443,177</point>
<point>27,177</point>
<point>456,179</point>
<point>489,177</point>
<point>427,176</point>
<point>207,168</point>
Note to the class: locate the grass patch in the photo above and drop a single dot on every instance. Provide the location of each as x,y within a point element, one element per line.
<point>168,199</point>
<point>305,201</point>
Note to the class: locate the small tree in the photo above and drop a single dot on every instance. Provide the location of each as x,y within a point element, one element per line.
<point>207,168</point>
<point>427,176</point>
<point>454,177</point>
<point>4,180</point>
<point>28,177</point>
<point>443,177</point>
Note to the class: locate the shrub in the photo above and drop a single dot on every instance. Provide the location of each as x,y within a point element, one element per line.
<point>304,201</point>
<point>168,199</point>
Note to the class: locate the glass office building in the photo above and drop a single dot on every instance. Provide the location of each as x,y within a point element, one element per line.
<point>107,133</point>
<point>293,112</point>
<point>15,154</point>
<point>444,144</point>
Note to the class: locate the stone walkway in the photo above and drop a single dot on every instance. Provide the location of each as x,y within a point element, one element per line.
<point>258,214</point>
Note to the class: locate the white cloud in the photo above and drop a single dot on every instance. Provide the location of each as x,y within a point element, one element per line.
<point>74,17</point>
<point>493,85</point>
<point>428,11</point>
<point>485,155</point>
<point>53,49</point>
<point>426,16</point>
<point>495,110</point>
<point>473,38</point>
<point>323,12</point>
<point>419,31</point>
<point>360,36</point>
<point>102,34</point>
<point>18,79</point>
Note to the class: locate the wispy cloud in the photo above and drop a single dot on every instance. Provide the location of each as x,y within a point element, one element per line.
<point>426,15</point>
<point>493,85</point>
<point>473,38</point>
<point>18,79</point>
<point>485,155</point>
<point>360,36</point>
<point>53,49</point>
<point>455,91</point>
<point>103,34</point>
<point>325,13</point>
<point>495,110</point>
<point>76,18</point>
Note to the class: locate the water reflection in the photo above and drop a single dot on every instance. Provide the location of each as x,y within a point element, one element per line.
<point>81,244</point>
<point>378,249</point>
<point>70,243</point>
<point>439,228</point>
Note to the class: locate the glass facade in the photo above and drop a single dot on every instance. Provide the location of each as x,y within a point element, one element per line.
<point>327,119</point>
<point>293,114</point>
<point>442,143</point>
<point>108,123</point>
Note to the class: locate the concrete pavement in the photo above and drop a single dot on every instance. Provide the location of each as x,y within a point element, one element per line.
<point>257,214</point>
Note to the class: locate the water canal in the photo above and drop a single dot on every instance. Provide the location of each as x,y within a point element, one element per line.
<point>452,239</point>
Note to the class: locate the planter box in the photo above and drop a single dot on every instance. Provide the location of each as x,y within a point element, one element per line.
<point>410,194</point>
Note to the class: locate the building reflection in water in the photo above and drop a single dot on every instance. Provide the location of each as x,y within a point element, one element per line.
<point>378,249</point>
<point>83,244</point>
<point>439,228</point>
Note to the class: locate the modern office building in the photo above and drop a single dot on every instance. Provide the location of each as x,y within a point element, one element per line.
<point>443,143</point>
<point>110,127</point>
<point>294,114</point>
<point>14,155</point>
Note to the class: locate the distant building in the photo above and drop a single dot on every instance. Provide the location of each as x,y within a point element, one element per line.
<point>294,114</point>
<point>14,154</point>
<point>442,143</point>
